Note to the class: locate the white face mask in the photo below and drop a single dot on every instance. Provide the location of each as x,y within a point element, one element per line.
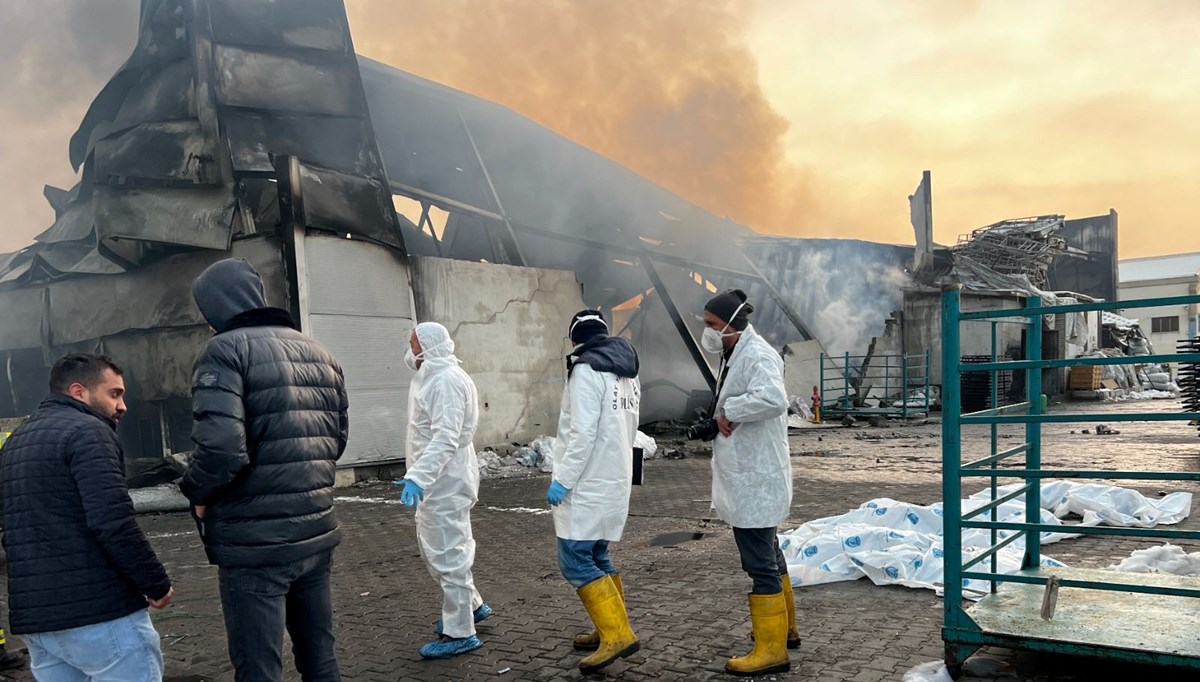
<point>410,359</point>
<point>712,340</point>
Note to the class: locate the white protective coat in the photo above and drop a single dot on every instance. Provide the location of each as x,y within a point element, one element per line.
<point>594,457</point>
<point>752,477</point>
<point>443,411</point>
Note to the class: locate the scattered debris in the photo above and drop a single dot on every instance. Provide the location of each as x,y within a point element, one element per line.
<point>1167,558</point>
<point>1102,430</point>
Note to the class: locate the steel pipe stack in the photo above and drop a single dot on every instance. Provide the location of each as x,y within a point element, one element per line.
<point>1189,378</point>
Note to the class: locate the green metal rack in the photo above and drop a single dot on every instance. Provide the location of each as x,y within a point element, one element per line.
<point>1098,613</point>
<point>897,375</point>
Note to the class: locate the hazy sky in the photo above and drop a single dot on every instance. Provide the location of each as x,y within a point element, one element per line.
<point>804,118</point>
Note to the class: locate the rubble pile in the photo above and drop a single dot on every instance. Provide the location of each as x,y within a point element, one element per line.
<point>537,457</point>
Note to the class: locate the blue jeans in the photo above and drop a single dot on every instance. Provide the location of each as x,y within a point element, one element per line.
<point>260,603</point>
<point>583,561</point>
<point>121,650</point>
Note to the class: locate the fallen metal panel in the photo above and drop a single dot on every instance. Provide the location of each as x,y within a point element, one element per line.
<point>186,217</point>
<point>167,150</point>
<point>348,204</point>
<point>343,144</point>
<point>295,23</point>
<point>315,82</point>
<point>158,295</point>
<point>161,361</point>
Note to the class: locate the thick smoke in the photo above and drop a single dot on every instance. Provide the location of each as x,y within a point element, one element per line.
<point>843,289</point>
<point>56,55</point>
<point>669,88</point>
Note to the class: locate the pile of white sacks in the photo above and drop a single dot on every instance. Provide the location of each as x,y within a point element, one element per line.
<point>897,543</point>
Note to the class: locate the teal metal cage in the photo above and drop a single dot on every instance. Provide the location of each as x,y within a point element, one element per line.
<point>1088,618</point>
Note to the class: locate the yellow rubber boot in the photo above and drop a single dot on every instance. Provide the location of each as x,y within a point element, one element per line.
<point>793,635</point>
<point>604,604</point>
<point>768,619</point>
<point>591,641</point>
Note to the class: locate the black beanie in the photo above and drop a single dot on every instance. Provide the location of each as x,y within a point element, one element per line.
<point>583,328</point>
<point>725,306</point>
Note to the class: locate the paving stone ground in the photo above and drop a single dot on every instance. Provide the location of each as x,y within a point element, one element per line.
<point>687,601</point>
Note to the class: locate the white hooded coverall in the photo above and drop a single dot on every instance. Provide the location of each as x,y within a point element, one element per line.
<point>752,477</point>
<point>594,455</point>
<point>443,411</point>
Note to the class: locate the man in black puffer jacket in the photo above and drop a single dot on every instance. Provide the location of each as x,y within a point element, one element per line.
<point>270,412</point>
<point>80,572</point>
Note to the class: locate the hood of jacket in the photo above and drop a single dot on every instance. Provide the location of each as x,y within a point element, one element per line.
<point>227,289</point>
<point>612,354</point>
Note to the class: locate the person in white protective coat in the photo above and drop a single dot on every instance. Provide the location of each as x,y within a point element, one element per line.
<point>752,477</point>
<point>442,481</point>
<point>593,475</point>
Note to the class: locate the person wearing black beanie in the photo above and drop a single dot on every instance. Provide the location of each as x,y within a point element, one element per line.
<point>593,475</point>
<point>752,475</point>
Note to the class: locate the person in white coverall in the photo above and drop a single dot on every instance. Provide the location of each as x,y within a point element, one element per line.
<point>752,477</point>
<point>593,475</point>
<point>442,481</point>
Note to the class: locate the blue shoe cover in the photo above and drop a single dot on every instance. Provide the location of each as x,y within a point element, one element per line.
<point>447,648</point>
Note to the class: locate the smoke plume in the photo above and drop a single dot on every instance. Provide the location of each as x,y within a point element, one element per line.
<point>669,88</point>
<point>56,55</point>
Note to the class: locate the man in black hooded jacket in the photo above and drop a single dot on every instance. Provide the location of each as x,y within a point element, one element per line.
<point>270,411</point>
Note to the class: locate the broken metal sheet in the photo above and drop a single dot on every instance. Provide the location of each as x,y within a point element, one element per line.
<point>310,82</point>
<point>23,313</point>
<point>342,144</point>
<point>161,361</point>
<point>101,112</point>
<point>19,264</point>
<point>166,150</point>
<point>296,23</point>
<point>95,263</point>
<point>73,224</point>
<point>60,199</point>
<point>428,135</point>
<point>351,204</point>
<point>161,94</point>
<point>157,295</point>
<point>186,217</point>
<point>60,260</point>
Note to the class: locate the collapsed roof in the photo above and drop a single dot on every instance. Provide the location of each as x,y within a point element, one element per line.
<point>187,147</point>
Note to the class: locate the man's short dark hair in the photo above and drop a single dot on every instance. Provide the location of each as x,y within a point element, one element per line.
<point>81,368</point>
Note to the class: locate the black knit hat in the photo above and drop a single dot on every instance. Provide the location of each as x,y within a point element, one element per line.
<point>731,307</point>
<point>586,325</point>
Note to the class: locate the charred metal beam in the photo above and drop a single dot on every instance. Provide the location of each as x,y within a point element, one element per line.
<point>685,334</point>
<point>515,256</point>
<point>291,222</point>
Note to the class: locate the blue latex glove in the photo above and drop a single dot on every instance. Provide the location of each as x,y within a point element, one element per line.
<point>412,494</point>
<point>556,493</point>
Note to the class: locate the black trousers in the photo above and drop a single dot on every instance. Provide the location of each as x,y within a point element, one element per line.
<point>762,558</point>
<point>260,602</point>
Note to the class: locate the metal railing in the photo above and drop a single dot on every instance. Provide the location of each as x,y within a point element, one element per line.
<point>897,376</point>
<point>960,632</point>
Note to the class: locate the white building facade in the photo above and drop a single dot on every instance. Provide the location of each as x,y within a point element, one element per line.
<point>1160,277</point>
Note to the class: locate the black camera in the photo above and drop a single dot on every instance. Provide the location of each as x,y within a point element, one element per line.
<point>703,430</point>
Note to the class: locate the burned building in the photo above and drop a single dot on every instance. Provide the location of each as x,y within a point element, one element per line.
<point>365,196</point>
